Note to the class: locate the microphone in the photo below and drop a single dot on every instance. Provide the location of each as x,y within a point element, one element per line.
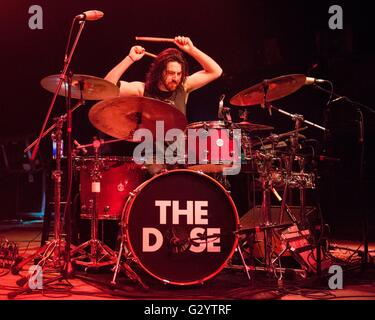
<point>220,113</point>
<point>177,243</point>
<point>90,15</point>
<point>310,80</point>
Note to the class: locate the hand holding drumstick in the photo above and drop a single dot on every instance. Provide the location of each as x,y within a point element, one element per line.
<point>137,52</point>
<point>184,43</point>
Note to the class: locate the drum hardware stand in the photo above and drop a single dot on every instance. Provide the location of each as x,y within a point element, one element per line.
<point>298,120</point>
<point>200,238</point>
<point>266,208</point>
<point>130,273</point>
<point>29,147</point>
<point>268,227</point>
<point>54,247</point>
<point>84,146</point>
<point>270,267</point>
<point>100,254</point>
<point>67,270</point>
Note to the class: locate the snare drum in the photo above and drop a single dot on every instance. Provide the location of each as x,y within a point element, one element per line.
<point>118,176</point>
<point>181,227</point>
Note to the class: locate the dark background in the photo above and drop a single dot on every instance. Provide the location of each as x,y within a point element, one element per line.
<point>251,40</point>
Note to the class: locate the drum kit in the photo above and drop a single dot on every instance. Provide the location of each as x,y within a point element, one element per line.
<point>181,225</point>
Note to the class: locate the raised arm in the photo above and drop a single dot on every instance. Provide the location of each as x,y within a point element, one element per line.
<point>211,70</point>
<point>135,88</point>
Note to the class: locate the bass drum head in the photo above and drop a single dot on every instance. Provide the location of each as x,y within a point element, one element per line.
<point>180,226</point>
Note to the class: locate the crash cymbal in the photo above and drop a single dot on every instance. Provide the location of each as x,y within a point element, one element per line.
<point>253,127</point>
<point>92,88</point>
<point>274,89</point>
<point>120,117</point>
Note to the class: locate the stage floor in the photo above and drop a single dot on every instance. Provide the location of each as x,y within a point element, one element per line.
<point>231,283</point>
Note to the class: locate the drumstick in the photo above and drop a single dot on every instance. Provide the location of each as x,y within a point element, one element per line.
<point>150,54</point>
<point>154,39</point>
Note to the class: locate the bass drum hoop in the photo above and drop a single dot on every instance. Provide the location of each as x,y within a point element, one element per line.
<point>129,205</point>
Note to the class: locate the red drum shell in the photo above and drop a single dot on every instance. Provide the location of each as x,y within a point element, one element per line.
<point>119,176</point>
<point>213,158</point>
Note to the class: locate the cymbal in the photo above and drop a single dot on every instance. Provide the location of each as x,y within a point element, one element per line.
<point>92,88</point>
<point>275,88</point>
<point>253,127</point>
<point>121,116</point>
<point>280,138</point>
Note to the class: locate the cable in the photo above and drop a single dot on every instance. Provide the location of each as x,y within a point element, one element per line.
<point>331,94</point>
<point>29,242</point>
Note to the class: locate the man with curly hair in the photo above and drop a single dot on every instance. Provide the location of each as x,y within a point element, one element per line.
<point>167,79</point>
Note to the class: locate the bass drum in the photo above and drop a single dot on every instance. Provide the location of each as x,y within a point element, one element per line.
<point>181,227</point>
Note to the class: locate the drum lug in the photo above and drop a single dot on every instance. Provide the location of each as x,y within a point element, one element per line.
<point>205,126</point>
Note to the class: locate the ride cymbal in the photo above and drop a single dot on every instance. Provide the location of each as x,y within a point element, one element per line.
<point>269,90</point>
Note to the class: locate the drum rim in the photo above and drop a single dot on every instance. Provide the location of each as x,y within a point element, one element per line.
<point>214,124</point>
<point>129,204</point>
<point>101,158</point>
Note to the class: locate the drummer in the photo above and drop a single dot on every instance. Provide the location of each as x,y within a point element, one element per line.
<point>167,78</point>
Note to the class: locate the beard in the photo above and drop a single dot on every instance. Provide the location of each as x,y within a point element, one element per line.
<point>171,85</point>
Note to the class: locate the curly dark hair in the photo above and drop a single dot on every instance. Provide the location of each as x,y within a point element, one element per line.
<point>155,72</point>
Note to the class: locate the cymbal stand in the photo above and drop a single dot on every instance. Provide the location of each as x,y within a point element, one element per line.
<point>264,168</point>
<point>31,145</point>
<point>298,120</point>
<point>100,254</point>
<point>53,247</point>
<point>54,251</point>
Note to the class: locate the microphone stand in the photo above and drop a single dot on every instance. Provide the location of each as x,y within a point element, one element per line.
<point>67,269</point>
<point>361,141</point>
<point>31,145</point>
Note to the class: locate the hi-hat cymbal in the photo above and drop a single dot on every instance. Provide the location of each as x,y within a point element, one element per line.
<point>272,89</point>
<point>120,117</point>
<point>253,127</point>
<point>280,138</point>
<point>91,88</point>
